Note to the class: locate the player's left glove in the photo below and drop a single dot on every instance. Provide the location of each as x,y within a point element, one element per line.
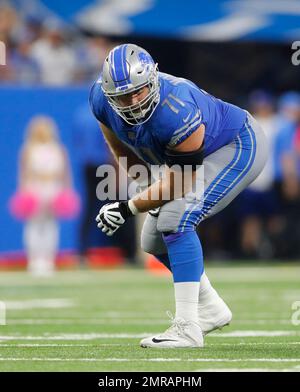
<point>112,216</point>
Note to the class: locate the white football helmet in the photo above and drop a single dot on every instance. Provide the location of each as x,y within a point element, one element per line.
<point>126,69</point>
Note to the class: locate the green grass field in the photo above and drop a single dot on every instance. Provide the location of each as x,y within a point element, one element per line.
<point>94,320</point>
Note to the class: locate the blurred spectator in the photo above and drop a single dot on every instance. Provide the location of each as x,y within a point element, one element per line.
<point>289,117</point>
<point>91,53</point>
<point>54,56</point>
<point>44,174</point>
<point>32,28</point>
<point>8,23</point>
<point>287,165</point>
<point>258,204</point>
<point>23,67</point>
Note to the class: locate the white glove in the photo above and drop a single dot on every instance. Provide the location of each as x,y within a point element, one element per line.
<point>112,216</point>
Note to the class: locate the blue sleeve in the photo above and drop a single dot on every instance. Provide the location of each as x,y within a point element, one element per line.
<point>180,120</point>
<point>97,103</point>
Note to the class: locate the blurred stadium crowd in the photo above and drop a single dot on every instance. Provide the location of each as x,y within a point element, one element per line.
<point>46,51</point>
<point>263,222</point>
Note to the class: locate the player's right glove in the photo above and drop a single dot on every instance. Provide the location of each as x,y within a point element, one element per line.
<point>112,216</point>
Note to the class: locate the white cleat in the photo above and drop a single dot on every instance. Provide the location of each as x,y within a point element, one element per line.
<point>181,334</point>
<point>213,315</point>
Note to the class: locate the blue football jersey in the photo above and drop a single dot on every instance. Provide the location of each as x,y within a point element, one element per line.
<point>182,109</point>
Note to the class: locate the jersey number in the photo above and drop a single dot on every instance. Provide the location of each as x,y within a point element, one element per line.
<point>173,103</point>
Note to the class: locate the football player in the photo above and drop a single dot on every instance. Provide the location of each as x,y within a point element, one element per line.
<point>155,118</point>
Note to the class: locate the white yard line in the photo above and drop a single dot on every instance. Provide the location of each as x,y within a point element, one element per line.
<point>241,334</point>
<point>160,314</point>
<point>87,336</point>
<point>22,345</point>
<point>128,314</point>
<point>120,315</point>
<point>225,370</point>
<point>123,321</point>
<point>85,321</point>
<point>40,303</point>
<point>255,344</point>
<point>53,359</point>
<point>263,315</point>
<point>91,336</point>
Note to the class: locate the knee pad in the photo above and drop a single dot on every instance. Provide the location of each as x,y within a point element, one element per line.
<point>151,238</point>
<point>170,216</point>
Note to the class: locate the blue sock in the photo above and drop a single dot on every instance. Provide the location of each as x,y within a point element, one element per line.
<point>164,259</point>
<point>185,255</point>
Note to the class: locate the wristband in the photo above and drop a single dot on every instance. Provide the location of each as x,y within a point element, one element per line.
<point>132,207</point>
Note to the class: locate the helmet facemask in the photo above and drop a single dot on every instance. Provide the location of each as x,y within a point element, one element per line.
<point>141,111</point>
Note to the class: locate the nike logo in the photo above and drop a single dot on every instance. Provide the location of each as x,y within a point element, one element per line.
<point>116,219</point>
<point>187,118</point>
<point>154,340</point>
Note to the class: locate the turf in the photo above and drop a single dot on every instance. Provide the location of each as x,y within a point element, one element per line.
<point>94,320</point>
